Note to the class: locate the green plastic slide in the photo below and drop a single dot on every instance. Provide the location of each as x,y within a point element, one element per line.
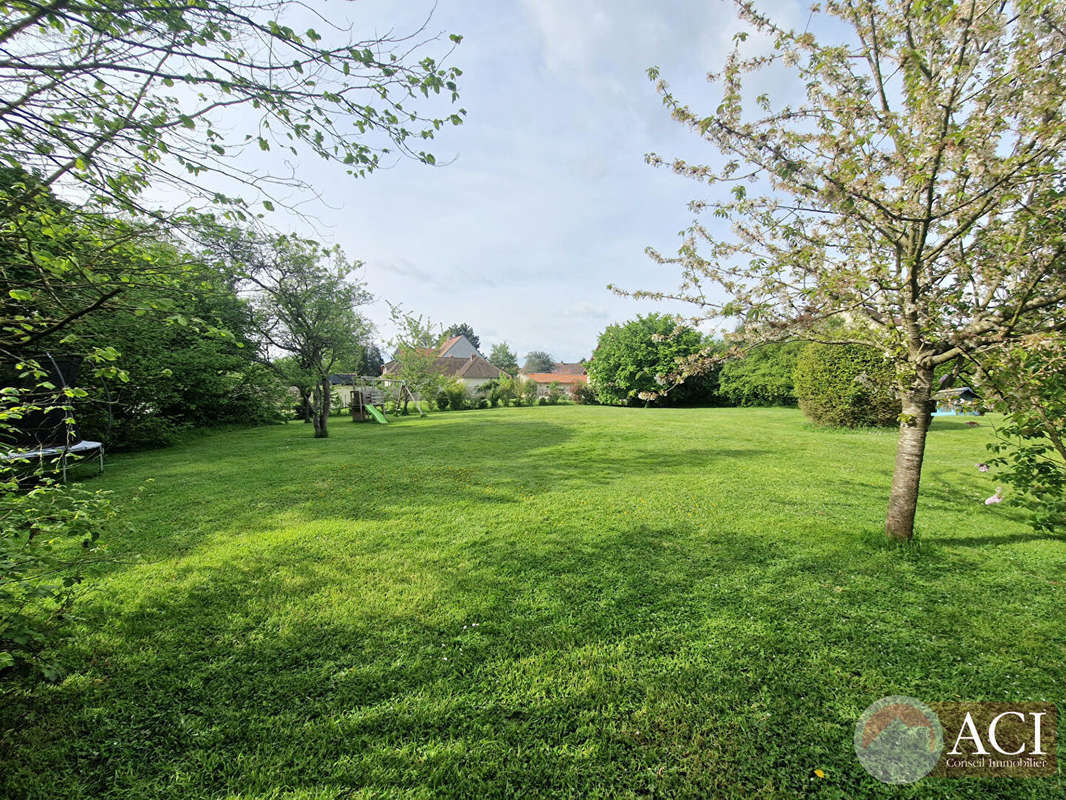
<point>376,414</point>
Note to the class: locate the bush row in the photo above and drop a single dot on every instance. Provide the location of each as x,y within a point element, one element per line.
<point>635,363</point>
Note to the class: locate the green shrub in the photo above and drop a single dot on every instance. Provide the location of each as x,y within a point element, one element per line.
<point>633,359</point>
<point>584,395</point>
<point>849,386</point>
<point>763,377</point>
<point>458,397</point>
<point>505,391</point>
<point>529,393</point>
<point>482,403</point>
<point>542,401</point>
<point>42,568</point>
<point>443,401</point>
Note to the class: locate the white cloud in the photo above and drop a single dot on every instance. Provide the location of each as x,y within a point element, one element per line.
<point>585,309</point>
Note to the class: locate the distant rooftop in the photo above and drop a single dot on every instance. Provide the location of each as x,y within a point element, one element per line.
<point>475,367</point>
<point>566,378</point>
<point>576,368</point>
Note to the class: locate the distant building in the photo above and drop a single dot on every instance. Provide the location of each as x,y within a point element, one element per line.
<point>563,368</point>
<point>456,358</point>
<point>457,347</point>
<point>569,376</point>
<point>957,402</point>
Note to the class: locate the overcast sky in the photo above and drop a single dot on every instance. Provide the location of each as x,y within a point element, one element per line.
<point>545,197</point>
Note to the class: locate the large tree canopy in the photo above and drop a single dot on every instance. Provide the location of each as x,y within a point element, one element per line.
<point>112,107</point>
<point>174,376</point>
<point>503,357</point>
<point>538,361</point>
<point>306,299</point>
<point>119,97</point>
<point>908,190</point>
<point>633,360</point>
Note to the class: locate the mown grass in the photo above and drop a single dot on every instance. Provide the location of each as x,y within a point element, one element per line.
<point>542,602</point>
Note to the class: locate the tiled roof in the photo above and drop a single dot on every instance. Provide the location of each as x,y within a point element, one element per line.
<point>563,368</point>
<point>474,368</point>
<point>477,367</point>
<point>446,345</point>
<point>555,377</point>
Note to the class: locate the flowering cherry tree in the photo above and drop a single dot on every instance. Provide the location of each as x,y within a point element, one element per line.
<point>903,200</point>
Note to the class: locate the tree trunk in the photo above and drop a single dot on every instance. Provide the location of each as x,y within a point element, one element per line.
<point>305,403</point>
<point>321,410</point>
<point>910,450</point>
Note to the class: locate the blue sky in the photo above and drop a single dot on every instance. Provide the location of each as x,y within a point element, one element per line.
<point>545,197</point>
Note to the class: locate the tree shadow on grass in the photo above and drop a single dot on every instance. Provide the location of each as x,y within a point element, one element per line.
<point>492,463</point>
<point>959,423</point>
<point>940,493</point>
<point>628,661</point>
<point>623,659</point>
<point>283,672</point>
<point>1002,539</point>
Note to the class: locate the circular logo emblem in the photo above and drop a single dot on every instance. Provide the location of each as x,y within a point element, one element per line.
<point>898,739</point>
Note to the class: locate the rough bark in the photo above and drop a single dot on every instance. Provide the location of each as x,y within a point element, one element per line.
<point>910,450</point>
<point>305,403</point>
<point>320,416</point>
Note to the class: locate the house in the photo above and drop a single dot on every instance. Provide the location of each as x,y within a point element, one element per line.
<point>569,376</point>
<point>457,347</point>
<point>957,402</point>
<point>457,358</point>
<point>473,372</point>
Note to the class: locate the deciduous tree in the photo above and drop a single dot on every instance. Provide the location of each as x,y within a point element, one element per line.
<point>415,352</point>
<point>633,359</point>
<point>504,358</point>
<point>122,97</point>
<point>538,361</point>
<point>907,189</point>
<point>305,298</point>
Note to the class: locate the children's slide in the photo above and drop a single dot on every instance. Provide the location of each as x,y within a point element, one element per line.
<point>376,414</point>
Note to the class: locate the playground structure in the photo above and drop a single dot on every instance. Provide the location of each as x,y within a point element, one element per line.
<point>369,396</point>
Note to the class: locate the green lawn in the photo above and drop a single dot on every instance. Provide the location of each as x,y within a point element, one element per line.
<point>537,602</point>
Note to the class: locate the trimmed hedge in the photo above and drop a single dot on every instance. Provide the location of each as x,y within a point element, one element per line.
<point>847,386</point>
<point>763,377</point>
